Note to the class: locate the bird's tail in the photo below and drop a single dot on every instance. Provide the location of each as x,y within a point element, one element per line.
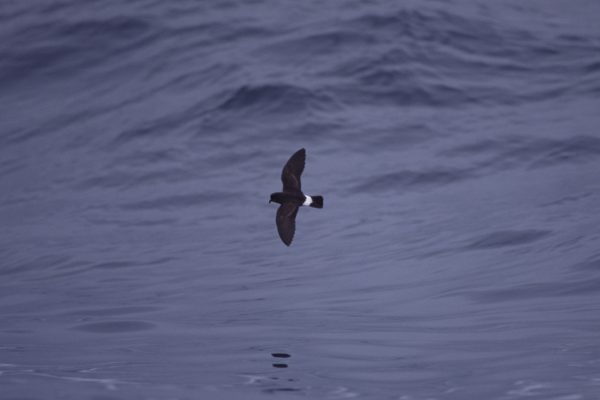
<point>317,201</point>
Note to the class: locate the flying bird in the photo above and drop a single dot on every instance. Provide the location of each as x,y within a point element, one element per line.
<point>291,198</point>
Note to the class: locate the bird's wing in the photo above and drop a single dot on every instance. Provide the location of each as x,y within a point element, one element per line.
<point>286,222</point>
<point>290,176</point>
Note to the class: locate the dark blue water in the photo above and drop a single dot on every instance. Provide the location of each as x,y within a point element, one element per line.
<point>457,144</point>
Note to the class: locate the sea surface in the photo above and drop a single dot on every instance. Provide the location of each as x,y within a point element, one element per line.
<point>456,144</point>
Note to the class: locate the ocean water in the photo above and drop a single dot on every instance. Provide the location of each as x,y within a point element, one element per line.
<point>456,143</point>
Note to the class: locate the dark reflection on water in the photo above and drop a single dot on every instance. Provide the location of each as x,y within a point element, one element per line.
<point>280,364</point>
<point>456,144</point>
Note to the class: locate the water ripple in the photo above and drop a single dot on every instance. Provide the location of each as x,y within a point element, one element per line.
<point>115,327</point>
<point>507,238</point>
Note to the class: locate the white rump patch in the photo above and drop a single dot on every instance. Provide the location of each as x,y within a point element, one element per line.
<point>308,201</point>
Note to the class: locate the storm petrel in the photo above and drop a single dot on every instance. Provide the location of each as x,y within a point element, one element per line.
<point>291,198</point>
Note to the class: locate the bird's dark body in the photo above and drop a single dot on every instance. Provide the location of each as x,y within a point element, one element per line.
<point>287,197</point>
<point>291,198</point>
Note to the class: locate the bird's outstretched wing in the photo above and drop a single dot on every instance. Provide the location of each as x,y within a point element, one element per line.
<point>290,176</point>
<point>286,222</point>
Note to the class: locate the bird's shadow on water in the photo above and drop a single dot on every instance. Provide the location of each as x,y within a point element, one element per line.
<point>281,362</point>
<point>280,356</point>
<point>279,381</point>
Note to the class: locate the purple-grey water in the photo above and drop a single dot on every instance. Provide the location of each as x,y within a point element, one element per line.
<point>456,143</point>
